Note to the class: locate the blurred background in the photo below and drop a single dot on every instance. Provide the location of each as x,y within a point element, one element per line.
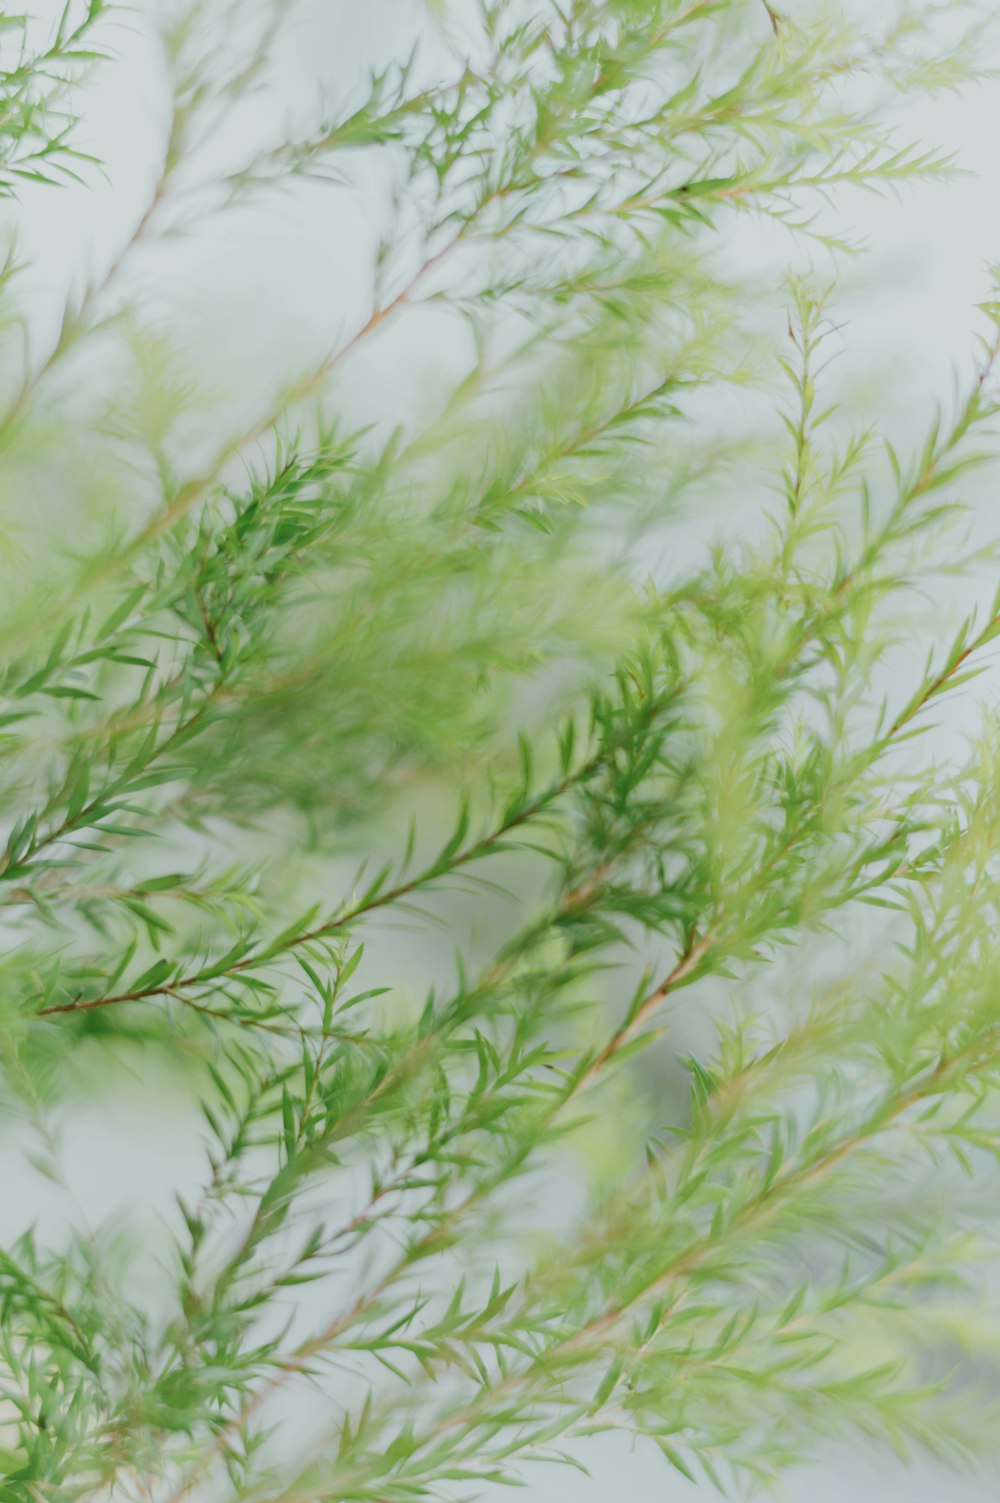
<point>258,292</point>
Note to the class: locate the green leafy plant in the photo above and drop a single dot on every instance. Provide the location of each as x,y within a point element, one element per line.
<point>365,785</point>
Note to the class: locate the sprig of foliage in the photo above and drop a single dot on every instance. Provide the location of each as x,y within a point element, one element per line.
<point>38,66</point>
<point>306,680</point>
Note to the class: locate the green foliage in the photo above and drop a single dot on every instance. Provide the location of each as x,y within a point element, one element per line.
<point>40,65</point>
<point>281,688</point>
